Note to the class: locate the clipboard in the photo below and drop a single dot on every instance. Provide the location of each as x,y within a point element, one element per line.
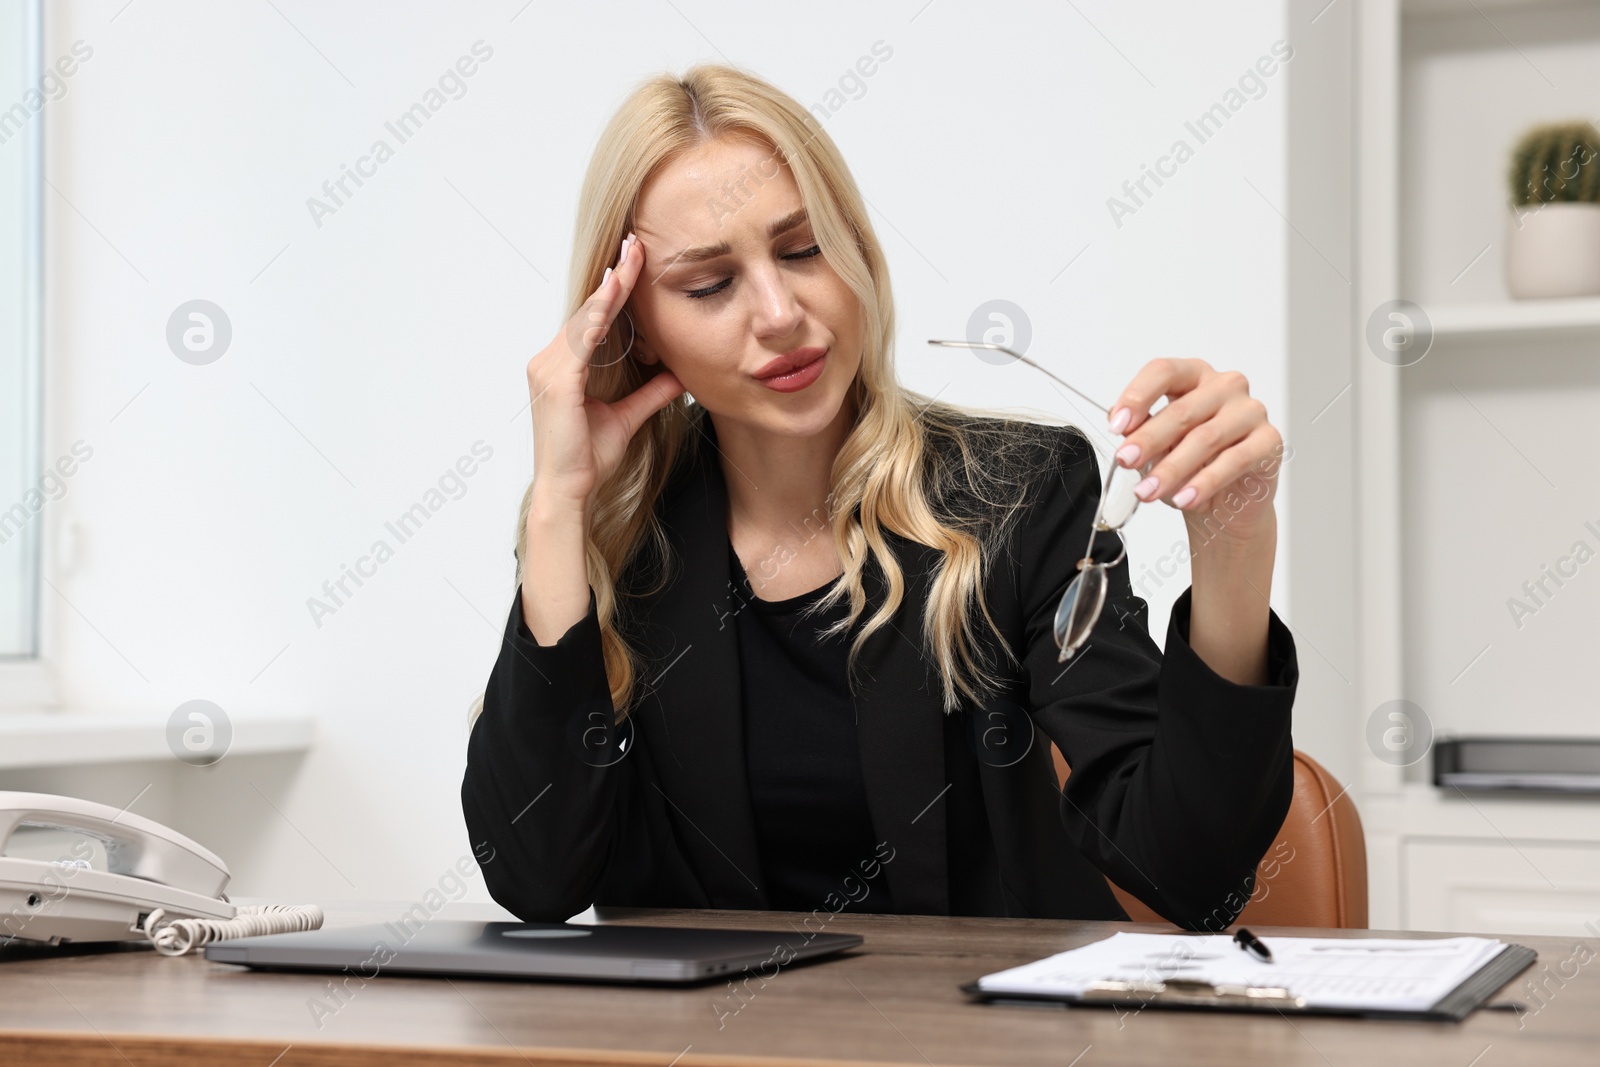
<point>1191,994</point>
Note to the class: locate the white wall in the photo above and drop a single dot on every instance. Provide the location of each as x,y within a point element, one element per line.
<point>372,352</point>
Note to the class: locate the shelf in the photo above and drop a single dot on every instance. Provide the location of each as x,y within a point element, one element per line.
<point>70,739</point>
<point>1533,319</point>
<point>1421,811</point>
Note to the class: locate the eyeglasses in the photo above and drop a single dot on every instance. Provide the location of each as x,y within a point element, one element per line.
<point>1086,594</point>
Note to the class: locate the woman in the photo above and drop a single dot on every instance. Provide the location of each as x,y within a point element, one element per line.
<point>660,730</point>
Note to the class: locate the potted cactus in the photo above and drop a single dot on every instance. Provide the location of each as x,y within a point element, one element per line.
<point>1553,237</point>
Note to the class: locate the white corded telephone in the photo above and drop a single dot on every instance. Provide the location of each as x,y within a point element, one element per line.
<point>144,881</point>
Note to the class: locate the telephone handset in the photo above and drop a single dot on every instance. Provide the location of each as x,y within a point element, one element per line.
<point>144,881</point>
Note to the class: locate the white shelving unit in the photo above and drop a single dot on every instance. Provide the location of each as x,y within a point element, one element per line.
<point>1441,487</point>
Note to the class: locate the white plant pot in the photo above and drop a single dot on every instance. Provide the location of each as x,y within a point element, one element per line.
<point>1553,250</point>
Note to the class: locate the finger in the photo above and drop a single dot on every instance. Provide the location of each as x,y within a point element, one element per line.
<point>626,275</point>
<point>629,267</point>
<point>1158,378</point>
<point>1254,457</point>
<point>1161,432</point>
<point>646,400</point>
<point>588,325</point>
<point>1233,422</point>
<point>591,323</point>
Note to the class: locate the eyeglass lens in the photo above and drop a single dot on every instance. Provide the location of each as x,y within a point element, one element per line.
<point>1086,594</point>
<point>1079,609</point>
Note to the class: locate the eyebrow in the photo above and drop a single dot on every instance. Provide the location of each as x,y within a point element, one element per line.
<point>700,254</point>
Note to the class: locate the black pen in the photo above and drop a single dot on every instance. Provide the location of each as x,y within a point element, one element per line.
<point>1252,944</point>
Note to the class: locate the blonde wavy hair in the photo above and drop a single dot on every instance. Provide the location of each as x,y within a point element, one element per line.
<point>887,477</point>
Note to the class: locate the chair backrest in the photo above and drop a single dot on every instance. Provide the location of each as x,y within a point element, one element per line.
<point>1315,871</point>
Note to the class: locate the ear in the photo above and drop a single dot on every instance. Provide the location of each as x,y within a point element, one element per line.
<point>641,352</point>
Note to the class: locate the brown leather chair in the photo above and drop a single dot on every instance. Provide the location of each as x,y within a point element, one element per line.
<point>1315,871</point>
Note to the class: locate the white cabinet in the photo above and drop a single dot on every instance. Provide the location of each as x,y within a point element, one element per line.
<point>1483,863</point>
<point>1494,886</point>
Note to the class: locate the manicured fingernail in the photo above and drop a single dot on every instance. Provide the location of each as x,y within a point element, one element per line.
<point>606,277</point>
<point>1185,497</point>
<point>622,251</point>
<point>1120,419</point>
<point>1147,488</point>
<point>1128,453</point>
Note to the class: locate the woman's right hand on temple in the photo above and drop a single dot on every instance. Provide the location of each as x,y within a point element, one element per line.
<point>579,440</point>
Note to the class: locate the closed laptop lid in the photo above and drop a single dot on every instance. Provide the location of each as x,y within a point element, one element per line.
<point>531,950</point>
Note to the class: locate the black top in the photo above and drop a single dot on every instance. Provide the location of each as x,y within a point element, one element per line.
<point>814,830</point>
<point>1180,778</point>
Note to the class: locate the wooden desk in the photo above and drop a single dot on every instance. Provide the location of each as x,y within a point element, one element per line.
<point>894,1000</point>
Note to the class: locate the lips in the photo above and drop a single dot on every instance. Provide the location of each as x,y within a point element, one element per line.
<point>800,378</point>
<point>790,361</point>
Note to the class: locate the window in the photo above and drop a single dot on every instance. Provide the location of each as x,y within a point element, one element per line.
<point>22,502</point>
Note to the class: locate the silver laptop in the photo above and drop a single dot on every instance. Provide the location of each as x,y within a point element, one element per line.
<point>531,950</point>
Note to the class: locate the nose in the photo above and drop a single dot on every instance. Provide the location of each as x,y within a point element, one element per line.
<point>777,312</point>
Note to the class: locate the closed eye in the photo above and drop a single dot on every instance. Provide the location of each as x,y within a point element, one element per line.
<point>701,294</point>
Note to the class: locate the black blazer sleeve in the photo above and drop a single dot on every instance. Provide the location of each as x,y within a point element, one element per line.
<point>1180,779</point>
<point>548,786</point>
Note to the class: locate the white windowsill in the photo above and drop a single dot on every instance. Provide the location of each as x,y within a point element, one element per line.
<point>69,739</point>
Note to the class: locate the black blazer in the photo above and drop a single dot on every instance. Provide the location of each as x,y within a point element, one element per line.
<point>1180,779</point>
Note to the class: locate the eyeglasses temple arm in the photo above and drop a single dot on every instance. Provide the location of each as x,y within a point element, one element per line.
<point>1018,355</point>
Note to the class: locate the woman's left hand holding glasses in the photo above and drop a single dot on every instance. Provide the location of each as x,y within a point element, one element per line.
<point>1216,454</point>
<point>1216,459</point>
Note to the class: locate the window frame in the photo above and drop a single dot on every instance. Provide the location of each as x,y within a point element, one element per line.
<point>26,677</point>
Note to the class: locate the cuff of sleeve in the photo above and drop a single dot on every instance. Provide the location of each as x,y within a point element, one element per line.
<point>576,655</point>
<point>518,625</point>
<point>1283,669</point>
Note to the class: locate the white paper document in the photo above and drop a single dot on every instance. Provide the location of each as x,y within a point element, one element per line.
<point>1355,973</point>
